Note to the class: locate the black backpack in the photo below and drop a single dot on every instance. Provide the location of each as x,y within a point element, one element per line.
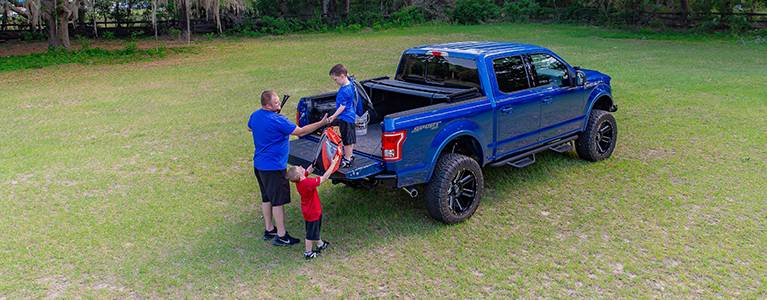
<point>362,103</point>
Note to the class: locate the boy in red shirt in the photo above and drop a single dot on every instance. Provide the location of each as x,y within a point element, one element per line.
<point>310,205</point>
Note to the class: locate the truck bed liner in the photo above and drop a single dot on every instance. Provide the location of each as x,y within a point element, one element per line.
<point>371,142</point>
<point>303,151</point>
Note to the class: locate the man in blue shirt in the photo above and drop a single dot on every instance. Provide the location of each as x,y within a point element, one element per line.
<point>271,138</point>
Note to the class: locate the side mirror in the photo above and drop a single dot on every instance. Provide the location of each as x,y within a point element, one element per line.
<point>580,78</point>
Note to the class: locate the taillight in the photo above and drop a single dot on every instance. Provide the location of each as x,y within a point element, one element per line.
<point>437,53</point>
<point>298,118</point>
<point>391,145</point>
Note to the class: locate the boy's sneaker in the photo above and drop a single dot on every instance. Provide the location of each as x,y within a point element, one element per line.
<point>286,240</point>
<point>325,245</point>
<point>346,163</point>
<point>270,234</point>
<point>310,254</point>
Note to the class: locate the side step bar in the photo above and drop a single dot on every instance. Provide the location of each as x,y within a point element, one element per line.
<point>523,162</point>
<point>562,148</point>
<point>527,158</point>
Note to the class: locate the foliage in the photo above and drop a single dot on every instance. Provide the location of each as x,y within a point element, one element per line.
<point>408,16</point>
<point>474,11</point>
<point>108,35</point>
<point>175,32</point>
<point>275,26</point>
<point>32,36</point>
<point>84,42</point>
<point>521,10</point>
<point>281,17</point>
<point>737,23</point>
<point>349,28</point>
<point>58,56</point>
<point>130,47</point>
<point>366,17</point>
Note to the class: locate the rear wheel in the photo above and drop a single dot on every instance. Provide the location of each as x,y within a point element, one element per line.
<point>597,142</point>
<point>454,192</point>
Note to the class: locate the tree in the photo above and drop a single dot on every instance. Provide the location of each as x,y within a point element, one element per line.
<point>55,13</point>
<point>29,10</point>
<point>684,11</point>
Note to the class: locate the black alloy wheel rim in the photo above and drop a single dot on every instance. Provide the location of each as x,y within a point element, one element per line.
<point>462,191</point>
<point>604,137</point>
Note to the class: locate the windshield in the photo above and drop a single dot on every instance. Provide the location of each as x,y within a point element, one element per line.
<point>439,70</point>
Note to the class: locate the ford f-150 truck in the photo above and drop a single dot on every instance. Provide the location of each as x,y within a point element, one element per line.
<point>454,108</point>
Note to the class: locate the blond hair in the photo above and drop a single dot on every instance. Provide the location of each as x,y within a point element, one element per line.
<point>293,174</point>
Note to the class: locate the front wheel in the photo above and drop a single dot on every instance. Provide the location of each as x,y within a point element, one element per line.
<point>597,142</point>
<point>453,194</point>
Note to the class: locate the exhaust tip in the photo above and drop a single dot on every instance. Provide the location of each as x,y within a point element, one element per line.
<point>411,191</point>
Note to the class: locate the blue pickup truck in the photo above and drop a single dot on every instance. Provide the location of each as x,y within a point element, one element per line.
<point>454,108</point>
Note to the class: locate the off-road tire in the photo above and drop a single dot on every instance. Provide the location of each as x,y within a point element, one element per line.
<point>597,142</point>
<point>443,186</point>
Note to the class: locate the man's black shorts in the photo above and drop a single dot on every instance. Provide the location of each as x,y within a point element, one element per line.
<point>348,133</point>
<point>275,188</point>
<point>313,229</point>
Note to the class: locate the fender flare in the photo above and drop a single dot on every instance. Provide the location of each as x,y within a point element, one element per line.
<point>450,138</point>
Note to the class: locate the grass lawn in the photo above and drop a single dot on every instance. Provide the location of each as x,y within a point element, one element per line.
<point>135,180</point>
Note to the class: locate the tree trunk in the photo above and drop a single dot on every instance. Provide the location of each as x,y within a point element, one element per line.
<point>332,11</point>
<point>684,10</point>
<point>117,13</point>
<point>95,28</point>
<point>188,22</point>
<point>51,22</point>
<point>64,30</point>
<point>346,8</point>
<point>129,15</point>
<point>154,18</point>
<point>183,22</point>
<point>217,16</point>
<point>5,19</point>
<point>325,4</point>
<point>382,8</point>
<point>283,8</point>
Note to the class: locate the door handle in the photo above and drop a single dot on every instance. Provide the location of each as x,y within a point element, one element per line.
<point>547,100</point>
<point>507,109</point>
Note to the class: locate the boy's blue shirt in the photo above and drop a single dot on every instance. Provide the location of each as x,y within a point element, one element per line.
<point>271,138</point>
<point>345,97</point>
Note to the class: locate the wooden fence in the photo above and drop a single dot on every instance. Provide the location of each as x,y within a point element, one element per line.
<point>676,20</point>
<point>14,31</point>
<point>15,28</point>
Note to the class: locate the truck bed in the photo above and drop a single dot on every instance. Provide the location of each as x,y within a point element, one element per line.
<point>367,154</point>
<point>371,142</point>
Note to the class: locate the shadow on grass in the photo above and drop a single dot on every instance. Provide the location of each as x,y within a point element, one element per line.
<point>355,221</point>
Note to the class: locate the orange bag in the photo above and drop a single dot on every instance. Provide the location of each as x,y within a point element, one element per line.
<point>329,149</point>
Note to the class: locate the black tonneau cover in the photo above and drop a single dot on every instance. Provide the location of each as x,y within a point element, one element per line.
<point>421,90</point>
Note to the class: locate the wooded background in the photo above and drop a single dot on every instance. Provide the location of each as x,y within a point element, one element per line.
<point>59,20</point>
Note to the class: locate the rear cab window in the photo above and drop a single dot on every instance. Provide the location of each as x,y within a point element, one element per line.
<point>444,71</point>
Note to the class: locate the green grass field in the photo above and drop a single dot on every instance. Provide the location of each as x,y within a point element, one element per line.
<point>135,180</point>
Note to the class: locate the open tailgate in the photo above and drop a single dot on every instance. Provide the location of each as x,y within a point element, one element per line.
<point>303,151</point>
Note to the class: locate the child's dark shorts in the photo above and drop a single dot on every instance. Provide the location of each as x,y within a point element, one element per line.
<point>313,229</point>
<point>348,132</point>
